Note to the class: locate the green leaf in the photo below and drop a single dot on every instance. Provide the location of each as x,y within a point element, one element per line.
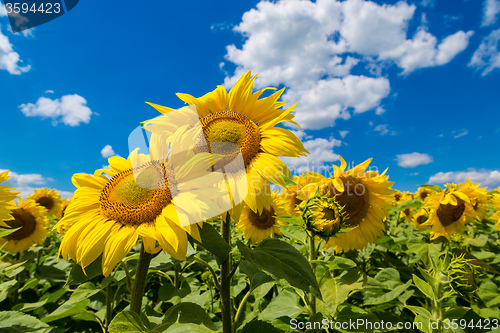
<point>417,310</point>
<point>389,296</point>
<point>423,286</point>
<point>26,307</point>
<point>78,276</point>
<point>212,241</point>
<point>283,261</point>
<point>341,263</point>
<point>185,328</point>
<point>6,289</point>
<point>77,303</point>
<point>337,290</point>
<point>288,181</point>
<point>414,203</point>
<point>6,232</point>
<point>13,321</point>
<point>259,326</point>
<point>292,232</point>
<point>256,276</point>
<point>436,188</point>
<point>188,313</point>
<point>291,220</point>
<point>31,283</point>
<point>285,304</point>
<point>127,322</point>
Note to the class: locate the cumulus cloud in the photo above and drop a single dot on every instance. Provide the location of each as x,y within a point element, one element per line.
<point>107,151</point>
<point>491,9</point>
<point>487,178</point>
<point>26,183</point>
<point>311,47</point>
<point>321,151</point>
<point>71,110</point>
<point>461,133</point>
<point>383,129</point>
<point>487,56</point>
<point>343,133</point>
<point>9,59</point>
<point>413,159</point>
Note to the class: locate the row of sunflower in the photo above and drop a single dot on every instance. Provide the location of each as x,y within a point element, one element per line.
<point>149,244</point>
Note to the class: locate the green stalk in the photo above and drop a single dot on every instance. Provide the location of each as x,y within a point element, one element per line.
<point>109,305</point>
<point>225,279</point>
<point>312,257</point>
<point>240,309</point>
<point>140,281</point>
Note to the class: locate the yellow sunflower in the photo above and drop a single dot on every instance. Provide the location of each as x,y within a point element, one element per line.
<point>32,218</point>
<point>397,197</point>
<point>365,197</point>
<point>407,213</point>
<point>64,204</point>
<point>257,226</point>
<point>418,220</point>
<point>48,198</point>
<point>495,202</point>
<point>289,196</point>
<point>478,199</point>
<point>242,120</point>
<point>6,197</point>
<point>110,209</point>
<point>322,215</point>
<point>423,192</point>
<point>449,211</point>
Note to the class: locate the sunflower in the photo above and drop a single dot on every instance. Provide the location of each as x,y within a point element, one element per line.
<point>64,204</point>
<point>423,192</point>
<point>406,213</point>
<point>32,218</point>
<point>478,198</point>
<point>397,197</point>
<point>50,199</point>
<point>6,197</point>
<point>289,196</point>
<point>449,211</point>
<point>495,202</point>
<point>322,215</point>
<point>257,226</point>
<point>365,197</point>
<point>418,220</point>
<point>110,209</point>
<point>240,123</point>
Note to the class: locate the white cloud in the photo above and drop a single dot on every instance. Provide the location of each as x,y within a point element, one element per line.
<point>343,133</point>
<point>487,56</point>
<point>71,110</point>
<point>107,151</point>
<point>490,11</point>
<point>383,129</point>
<point>321,151</point>
<point>3,12</point>
<point>9,59</point>
<point>489,178</point>
<point>49,91</point>
<point>26,183</point>
<point>413,159</point>
<point>324,101</point>
<point>311,47</point>
<point>462,133</point>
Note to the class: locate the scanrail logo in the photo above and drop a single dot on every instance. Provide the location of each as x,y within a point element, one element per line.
<point>27,14</point>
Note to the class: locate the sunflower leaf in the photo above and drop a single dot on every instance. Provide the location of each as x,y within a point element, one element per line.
<point>436,188</point>
<point>212,241</point>
<point>77,276</point>
<point>291,219</point>
<point>127,321</point>
<point>13,321</point>
<point>414,203</point>
<point>6,232</point>
<point>187,313</point>
<point>282,261</point>
<point>288,181</point>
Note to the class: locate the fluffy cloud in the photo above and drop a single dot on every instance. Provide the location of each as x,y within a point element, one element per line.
<point>311,47</point>
<point>490,11</point>
<point>383,129</point>
<point>487,56</point>
<point>9,59</point>
<point>26,183</point>
<point>413,159</point>
<point>71,110</point>
<point>489,178</point>
<point>321,151</point>
<point>107,151</point>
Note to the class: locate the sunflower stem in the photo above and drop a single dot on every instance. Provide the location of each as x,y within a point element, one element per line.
<point>225,279</point>
<point>109,305</point>
<point>140,281</point>
<point>312,257</point>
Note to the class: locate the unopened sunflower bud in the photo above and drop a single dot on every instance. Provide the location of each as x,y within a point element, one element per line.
<point>323,216</point>
<point>461,273</point>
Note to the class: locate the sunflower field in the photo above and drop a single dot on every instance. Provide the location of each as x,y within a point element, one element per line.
<point>207,230</point>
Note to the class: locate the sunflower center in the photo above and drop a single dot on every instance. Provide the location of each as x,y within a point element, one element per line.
<point>423,195</point>
<point>23,219</point>
<point>421,219</point>
<point>354,199</point>
<point>46,202</point>
<point>230,127</point>
<point>449,214</point>
<point>128,200</point>
<point>328,214</point>
<point>264,220</point>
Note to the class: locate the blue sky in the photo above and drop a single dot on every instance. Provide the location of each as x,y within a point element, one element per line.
<point>411,84</point>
